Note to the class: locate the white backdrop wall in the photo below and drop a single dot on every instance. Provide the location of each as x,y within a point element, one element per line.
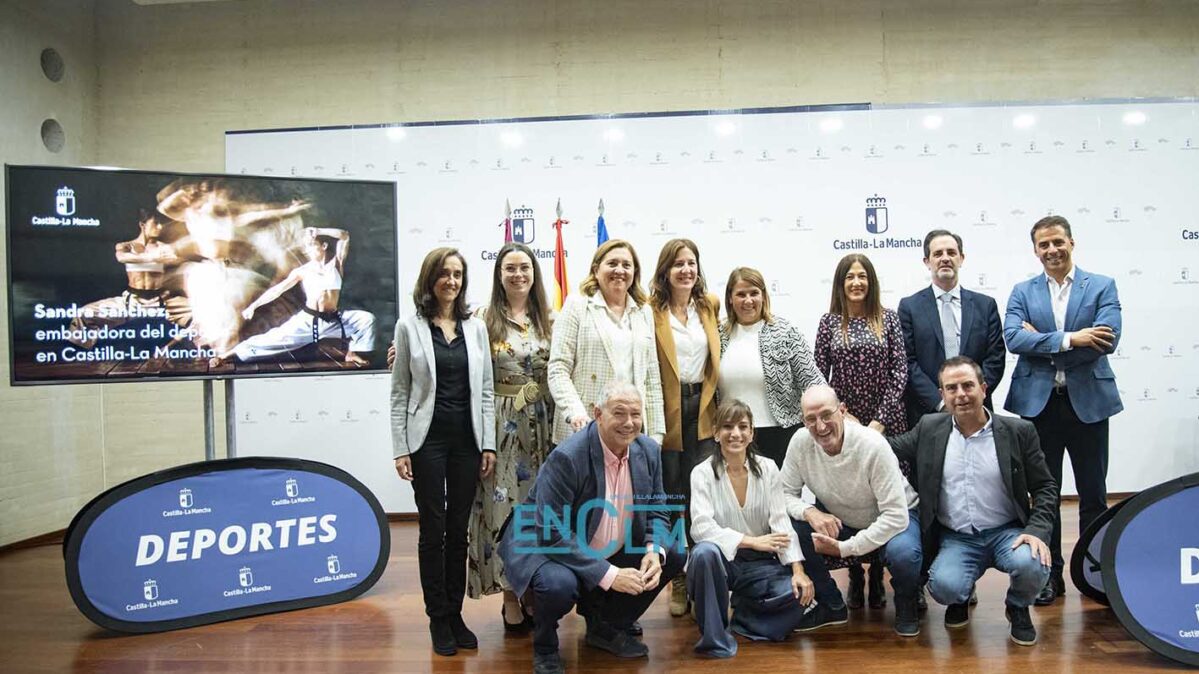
<point>785,191</point>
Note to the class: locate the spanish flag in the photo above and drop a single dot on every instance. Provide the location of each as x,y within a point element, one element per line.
<point>560,262</point>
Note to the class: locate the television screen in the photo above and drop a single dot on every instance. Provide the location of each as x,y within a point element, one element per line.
<point>125,275</point>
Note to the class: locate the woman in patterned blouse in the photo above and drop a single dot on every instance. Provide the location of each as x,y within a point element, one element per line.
<point>764,361</point>
<point>859,349</point>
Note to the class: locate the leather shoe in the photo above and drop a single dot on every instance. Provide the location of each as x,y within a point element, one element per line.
<point>1047,595</point>
<point>523,627</point>
<point>548,663</point>
<point>615,642</point>
<point>957,615</point>
<point>1023,632</point>
<point>857,588</point>
<point>443,637</point>
<point>877,597</point>
<point>907,617</point>
<point>463,637</point>
<point>823,616</point>
<point>679,604</point>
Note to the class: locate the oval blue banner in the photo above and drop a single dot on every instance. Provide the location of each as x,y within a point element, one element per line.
<point>220,540</point>
<point>1151,568</point>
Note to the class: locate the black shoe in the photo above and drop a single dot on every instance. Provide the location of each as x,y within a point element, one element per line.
<point>1023,632</point>
<point>907,617</point>
<point>1047,595</point>
<point>877,597</point>
<point>547,663</point>
<point>443,637</point>
<point>957,615</point>
<point>922,600</point>
<point>523,627</point>
<point>823,616</point>
<point>857,588</point>
<point>634,630</point>
<point>463,637</point>
<point>616,642</point>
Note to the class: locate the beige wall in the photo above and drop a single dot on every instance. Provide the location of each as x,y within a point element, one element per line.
<point>167,81</point>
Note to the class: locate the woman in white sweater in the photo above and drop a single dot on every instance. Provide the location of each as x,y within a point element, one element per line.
<point>744,544</point>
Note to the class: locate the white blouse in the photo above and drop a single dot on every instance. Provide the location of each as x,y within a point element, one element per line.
<point>690,346</point>
<point>620,332</point>
<point>741,375</point>
<point>717,517</point>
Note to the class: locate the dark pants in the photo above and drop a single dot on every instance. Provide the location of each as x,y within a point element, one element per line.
<point>445,473</point>
<point>903,556</point>
<point>1060,431</point>
<point>677,465</point>
<point>772,441</point>
<point>556,589</point>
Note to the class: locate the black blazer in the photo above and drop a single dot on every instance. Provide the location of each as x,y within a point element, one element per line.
<point>1026,477</point>
<point>981,341</point>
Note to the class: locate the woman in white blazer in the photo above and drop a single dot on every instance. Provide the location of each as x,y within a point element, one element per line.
<point>604,334</point>
<point>443,433</point>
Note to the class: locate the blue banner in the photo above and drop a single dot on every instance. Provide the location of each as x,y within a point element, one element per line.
<point>1151,568</point>
<point>221,540</point>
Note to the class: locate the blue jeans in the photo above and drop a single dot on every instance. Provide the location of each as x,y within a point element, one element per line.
<point>964,557</point>
<point>902,555</point>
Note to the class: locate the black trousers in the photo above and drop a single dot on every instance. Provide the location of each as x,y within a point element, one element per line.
<point>772,441</point>
<point>677,465</point>
<point>445,473</point>
<point>1060,431</point>
<point>556,589</point>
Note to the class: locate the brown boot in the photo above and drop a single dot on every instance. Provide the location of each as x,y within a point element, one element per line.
<point>678,596</point>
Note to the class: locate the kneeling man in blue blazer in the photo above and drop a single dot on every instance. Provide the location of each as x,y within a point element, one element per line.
<point>595,531</point>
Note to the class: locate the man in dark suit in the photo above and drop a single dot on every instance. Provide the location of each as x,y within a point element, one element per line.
<point>946,320</point>
<point>1063,323</point>
<point>595,532</point>
<point>986,499</point>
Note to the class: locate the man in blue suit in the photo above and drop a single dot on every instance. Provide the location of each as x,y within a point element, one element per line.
<point>594,531</point>
<point>946,320</point>
<point>1062,324</point>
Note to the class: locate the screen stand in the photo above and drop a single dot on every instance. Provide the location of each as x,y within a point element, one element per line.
<point>210,422</point>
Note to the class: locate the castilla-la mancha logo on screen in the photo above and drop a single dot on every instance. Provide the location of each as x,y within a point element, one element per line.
<point>64,201</point>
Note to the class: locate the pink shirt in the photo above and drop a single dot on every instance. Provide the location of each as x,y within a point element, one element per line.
<point>619,492</point>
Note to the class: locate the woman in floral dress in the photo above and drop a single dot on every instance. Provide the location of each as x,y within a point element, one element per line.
<point>859,350</point>
<point>518,324</point>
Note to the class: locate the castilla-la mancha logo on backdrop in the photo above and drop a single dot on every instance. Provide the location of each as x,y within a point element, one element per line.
<point>876,214</point>
<point>522,225</point>
<point>64,201</point>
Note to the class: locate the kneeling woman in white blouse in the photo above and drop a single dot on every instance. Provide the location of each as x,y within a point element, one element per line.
<point>744,543</point>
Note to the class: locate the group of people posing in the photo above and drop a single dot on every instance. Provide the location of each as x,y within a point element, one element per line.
<point>589,459</point>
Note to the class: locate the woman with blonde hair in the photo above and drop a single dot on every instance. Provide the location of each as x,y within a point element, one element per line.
<point>765,362</point>
<point>686,326</point>
<point>605,333</point>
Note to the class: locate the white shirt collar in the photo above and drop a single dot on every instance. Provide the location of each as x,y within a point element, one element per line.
<point>956,292</point>
<point>1068,279</point>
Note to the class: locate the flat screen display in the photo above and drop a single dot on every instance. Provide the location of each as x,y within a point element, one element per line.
<point>126,275</point>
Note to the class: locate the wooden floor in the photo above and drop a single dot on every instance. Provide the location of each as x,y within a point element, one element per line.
<point>385,631</point>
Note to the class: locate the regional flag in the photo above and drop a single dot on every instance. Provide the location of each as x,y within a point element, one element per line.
<point>560,262</point>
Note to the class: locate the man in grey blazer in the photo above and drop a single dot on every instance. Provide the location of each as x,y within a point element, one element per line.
<point>594,531</point>
<point>987,498</point>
